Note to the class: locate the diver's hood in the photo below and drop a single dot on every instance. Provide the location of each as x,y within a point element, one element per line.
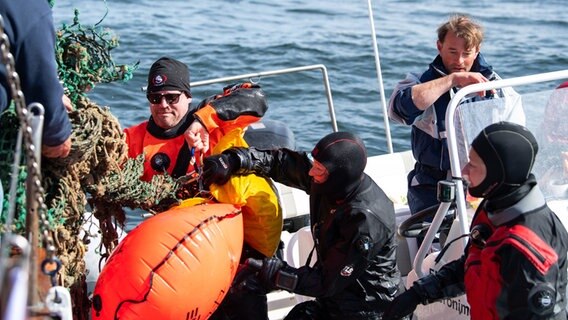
<point>508,151</point>
<point>344,156</point>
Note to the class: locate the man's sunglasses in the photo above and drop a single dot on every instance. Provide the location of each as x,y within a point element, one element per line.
<point>156,98</point>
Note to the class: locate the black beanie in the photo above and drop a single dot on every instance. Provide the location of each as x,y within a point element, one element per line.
<point>508,151</point>
<point>168,74</point>
<point>344,156</point>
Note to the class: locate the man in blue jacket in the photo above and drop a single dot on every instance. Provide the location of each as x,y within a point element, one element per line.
<point>30,30</point>
<point>421,101</point>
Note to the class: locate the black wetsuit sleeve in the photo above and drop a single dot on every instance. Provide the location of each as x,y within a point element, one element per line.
<point>282,165</point>
<point>520,282</point>
<point>445,283</point>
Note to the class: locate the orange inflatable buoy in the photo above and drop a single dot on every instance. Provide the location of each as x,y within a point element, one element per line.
<point>178,264</point>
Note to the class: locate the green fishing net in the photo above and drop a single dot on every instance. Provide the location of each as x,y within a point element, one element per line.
<point>97,176</point>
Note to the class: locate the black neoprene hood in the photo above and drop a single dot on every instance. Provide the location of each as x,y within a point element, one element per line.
<point>344,156</point>
<point>508,151</point>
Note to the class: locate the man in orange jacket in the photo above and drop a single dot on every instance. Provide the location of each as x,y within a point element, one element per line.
<point>175,126</point>
<point>178,132</point>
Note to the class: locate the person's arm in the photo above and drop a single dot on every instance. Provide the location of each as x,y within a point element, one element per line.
<point>411,97</point>
<point>283,165</point>
<point>358,240</point>
<point>37,68</point>
<point>425,94</point>
<point>401,108</point>
<point>525,288</point>
<point>447,282</point>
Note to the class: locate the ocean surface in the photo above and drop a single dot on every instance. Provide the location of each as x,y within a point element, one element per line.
<point>220,38</point>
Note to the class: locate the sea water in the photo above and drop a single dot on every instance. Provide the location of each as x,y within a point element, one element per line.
<point>223,38</point>
<point>219,38</point>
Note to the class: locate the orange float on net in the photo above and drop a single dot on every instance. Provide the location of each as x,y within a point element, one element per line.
<point>178,264</point>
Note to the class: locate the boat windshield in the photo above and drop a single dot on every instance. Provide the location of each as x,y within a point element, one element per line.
<point>544,113</point>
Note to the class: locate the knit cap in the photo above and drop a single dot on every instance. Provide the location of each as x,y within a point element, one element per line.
<point>168,74</point>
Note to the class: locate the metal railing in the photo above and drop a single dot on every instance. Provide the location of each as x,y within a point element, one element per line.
<point>320,67</point>
<point>451,129</point>
<point>380,78</point>
<point>461,210</point>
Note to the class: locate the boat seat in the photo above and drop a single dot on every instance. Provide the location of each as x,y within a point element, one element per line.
<point>407,247</point>
<point>295,202</point>
<point>389,171</point>
<point>297,248</point>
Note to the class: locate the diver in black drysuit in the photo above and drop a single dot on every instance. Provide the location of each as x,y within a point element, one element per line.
<point>355,275</point>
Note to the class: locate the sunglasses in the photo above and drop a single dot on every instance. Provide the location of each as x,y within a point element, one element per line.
<point>156,98</point>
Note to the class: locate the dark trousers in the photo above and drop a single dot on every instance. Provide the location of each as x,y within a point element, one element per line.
<point>315,310</point>
<point>423,195</point>
<point>242,305</point>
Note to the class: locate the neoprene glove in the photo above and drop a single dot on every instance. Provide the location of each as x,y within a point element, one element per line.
<point>219,168</point>
<point>274,273</point>
<point>268,272</point>
<point>216,169</point>
<point>403,305</point>
<point>246,280</point>
<point>253,276</point>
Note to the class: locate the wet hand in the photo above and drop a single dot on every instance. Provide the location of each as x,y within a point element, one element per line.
<point>197,137</point>
<point>67,103</point>
<point>60,151</point>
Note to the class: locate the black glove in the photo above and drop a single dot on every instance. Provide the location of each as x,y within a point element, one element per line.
<point>273,273</point>
<point>219,168</point>
<point>269,271</point>
<point>246,280</point>
<point>403,305</point>
<point>256,275</point>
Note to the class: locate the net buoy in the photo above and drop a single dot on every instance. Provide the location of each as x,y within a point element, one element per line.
<point>178,264</point>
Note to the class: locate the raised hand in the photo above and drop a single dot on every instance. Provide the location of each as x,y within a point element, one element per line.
<point>197,137</point>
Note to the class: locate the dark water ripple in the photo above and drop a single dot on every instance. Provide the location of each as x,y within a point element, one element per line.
<point>218,38</point>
